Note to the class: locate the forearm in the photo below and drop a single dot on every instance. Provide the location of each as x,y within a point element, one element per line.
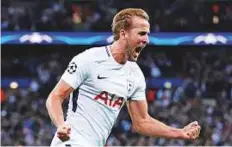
<point>154,128</point>
<point>54,107</point>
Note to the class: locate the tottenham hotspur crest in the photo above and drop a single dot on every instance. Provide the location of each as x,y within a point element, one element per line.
<point>130,85</point>
<point>72,67</point>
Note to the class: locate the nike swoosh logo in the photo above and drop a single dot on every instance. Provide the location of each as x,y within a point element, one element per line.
<point>99,77</point>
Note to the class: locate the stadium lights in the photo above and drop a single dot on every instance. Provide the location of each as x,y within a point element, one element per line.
<point>168,85</point>
<point>215,19</point>
<point>14,85</point>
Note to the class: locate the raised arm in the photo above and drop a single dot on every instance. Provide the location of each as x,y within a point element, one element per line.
<point>144,124</point>
<point>54,107</point>
<point>75,74</point>
<point>55,100</point>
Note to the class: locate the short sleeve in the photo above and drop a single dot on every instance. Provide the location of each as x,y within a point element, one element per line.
<point>77,70</point>
<point>139,93</point>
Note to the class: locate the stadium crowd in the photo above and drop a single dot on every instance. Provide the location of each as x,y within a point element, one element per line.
<point>96,15</point>
<point>205,95</point>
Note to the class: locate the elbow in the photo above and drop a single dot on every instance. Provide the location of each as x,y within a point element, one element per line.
<point>136,128</point>
<point>53,99</point>
<point>139,128</point>
<point>47,103</point>
<point>142,126</point>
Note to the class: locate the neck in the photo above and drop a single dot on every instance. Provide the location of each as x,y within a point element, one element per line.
<point>118,52</point>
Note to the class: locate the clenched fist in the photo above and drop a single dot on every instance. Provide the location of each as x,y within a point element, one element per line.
<point>191,131</point>
<point>63,132</point>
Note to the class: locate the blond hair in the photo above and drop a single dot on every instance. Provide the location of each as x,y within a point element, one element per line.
<point>122,20</point>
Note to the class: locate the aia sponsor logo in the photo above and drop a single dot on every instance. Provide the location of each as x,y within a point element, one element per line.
<point>110,99</point>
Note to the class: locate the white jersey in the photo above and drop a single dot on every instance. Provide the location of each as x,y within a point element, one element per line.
<point>104,85</point>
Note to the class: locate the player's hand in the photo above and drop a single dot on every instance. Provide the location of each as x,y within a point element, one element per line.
<point>191,131</point>
<point>63,132</point>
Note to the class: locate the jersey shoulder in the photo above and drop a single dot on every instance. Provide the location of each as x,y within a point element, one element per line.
<point>136,69</point>
<point>94,54</point>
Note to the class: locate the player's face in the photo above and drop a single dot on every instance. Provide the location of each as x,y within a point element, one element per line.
<point>137,38</point>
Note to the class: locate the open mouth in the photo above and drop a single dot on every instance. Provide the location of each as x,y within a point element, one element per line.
<point>138,49</point>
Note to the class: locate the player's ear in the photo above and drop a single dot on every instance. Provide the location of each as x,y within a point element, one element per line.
<point>122,34</point>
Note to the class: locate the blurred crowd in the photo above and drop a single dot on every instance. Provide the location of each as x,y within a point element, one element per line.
<point>205,96</point>
<point>205,73</point>
<point>97,15</point>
